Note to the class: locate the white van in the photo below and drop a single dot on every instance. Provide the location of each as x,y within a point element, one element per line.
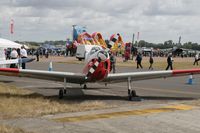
<point>83,50</point>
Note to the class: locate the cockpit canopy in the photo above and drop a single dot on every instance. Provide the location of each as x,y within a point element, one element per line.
<point>94,50</point>
<point>98,53</point>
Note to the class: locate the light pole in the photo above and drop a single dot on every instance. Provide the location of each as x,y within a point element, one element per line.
<point>133,39</point>
<point>179,41</point>
<point>73,30</point>
<point>138,34</point>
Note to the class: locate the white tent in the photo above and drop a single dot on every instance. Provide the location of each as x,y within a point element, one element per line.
<point>4,43</point>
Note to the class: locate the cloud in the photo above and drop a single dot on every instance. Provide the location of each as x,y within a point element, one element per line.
<point>156,20</point>
<point>170,7</point>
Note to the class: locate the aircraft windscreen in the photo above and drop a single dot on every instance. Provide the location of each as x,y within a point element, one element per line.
<point>94,49</point>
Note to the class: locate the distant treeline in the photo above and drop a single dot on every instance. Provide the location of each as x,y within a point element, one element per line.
<point>37,44</point>
<point>141,43</point>
<point>168,44</point>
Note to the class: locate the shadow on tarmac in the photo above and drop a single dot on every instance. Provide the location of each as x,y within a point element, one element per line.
<point>88,97</point>
<point>6,81</point>
<point>77,94</point>
<point>26,96</point>
<point>166,98</point>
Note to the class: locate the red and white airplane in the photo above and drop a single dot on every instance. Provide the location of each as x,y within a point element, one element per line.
<point>97,69</point>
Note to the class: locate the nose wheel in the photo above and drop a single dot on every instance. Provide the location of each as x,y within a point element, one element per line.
<point>61,93</point>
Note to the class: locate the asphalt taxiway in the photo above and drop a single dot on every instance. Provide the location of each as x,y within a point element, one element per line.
<point>165,105</point>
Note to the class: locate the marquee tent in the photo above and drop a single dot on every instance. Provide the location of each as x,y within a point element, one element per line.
<point>4,43</point>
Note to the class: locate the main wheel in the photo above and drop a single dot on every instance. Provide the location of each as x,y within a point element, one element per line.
<point>65,91</point>
<point>130,98</point>
<point>85,86</point>
<point>133,93</point>
<point>61,93</point>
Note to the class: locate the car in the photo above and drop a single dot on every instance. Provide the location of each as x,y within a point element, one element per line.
<point>83,50</point>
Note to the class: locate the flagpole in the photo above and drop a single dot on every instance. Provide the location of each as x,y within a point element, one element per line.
<point>138,38</point>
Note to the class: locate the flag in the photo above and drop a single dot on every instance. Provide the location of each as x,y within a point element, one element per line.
<point>12,26</point>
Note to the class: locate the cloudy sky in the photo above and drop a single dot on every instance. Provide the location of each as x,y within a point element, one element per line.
<point>156,20</point>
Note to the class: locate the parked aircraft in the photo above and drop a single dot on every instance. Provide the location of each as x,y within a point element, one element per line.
<point>97,69</point>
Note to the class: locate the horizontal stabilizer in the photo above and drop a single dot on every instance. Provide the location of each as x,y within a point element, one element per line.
<point>12,61</point>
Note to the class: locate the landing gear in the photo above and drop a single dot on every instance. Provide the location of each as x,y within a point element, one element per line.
<point>85,86</point>
<point>131,93</point>
<point>63,91</point>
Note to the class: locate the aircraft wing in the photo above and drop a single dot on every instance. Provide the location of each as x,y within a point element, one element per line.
<point>48,75</point>
<point>135,76</point>
<point>81,78</point>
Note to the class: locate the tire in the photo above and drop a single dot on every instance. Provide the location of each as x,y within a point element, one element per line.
<point>61,93</point>
<point>65,91</point>
<point>130,98</point>
<point>133,93</point>
<point>85,87</point>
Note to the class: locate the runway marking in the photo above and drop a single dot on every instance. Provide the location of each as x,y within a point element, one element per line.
<point>124,113</point>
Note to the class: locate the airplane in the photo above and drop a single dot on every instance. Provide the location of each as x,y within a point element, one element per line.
<point>97,69</point>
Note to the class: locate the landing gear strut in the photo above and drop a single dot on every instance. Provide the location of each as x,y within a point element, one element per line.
<point>131,93</point>
<point>63,91</point>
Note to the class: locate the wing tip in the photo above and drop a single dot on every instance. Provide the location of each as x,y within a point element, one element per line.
<point>182,71</point>
<point>13,70</point>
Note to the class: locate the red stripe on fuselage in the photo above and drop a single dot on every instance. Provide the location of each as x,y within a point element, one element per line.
<point>12,70</point>
<point>192,71</point>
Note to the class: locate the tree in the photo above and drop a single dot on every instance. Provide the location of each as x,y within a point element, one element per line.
<point>168,44</point>
<point>141,43</point>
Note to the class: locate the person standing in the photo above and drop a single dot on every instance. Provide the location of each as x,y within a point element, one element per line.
<point>169,62</point>
<point>46,53</point>
<point>13,55</point>
<point>112,62</point>
<point>37,53</point>
<point>23,54</point>
<point>196,59</point>
<point>151,62</point>
<point>8,51</point>
<point>139,60</point>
